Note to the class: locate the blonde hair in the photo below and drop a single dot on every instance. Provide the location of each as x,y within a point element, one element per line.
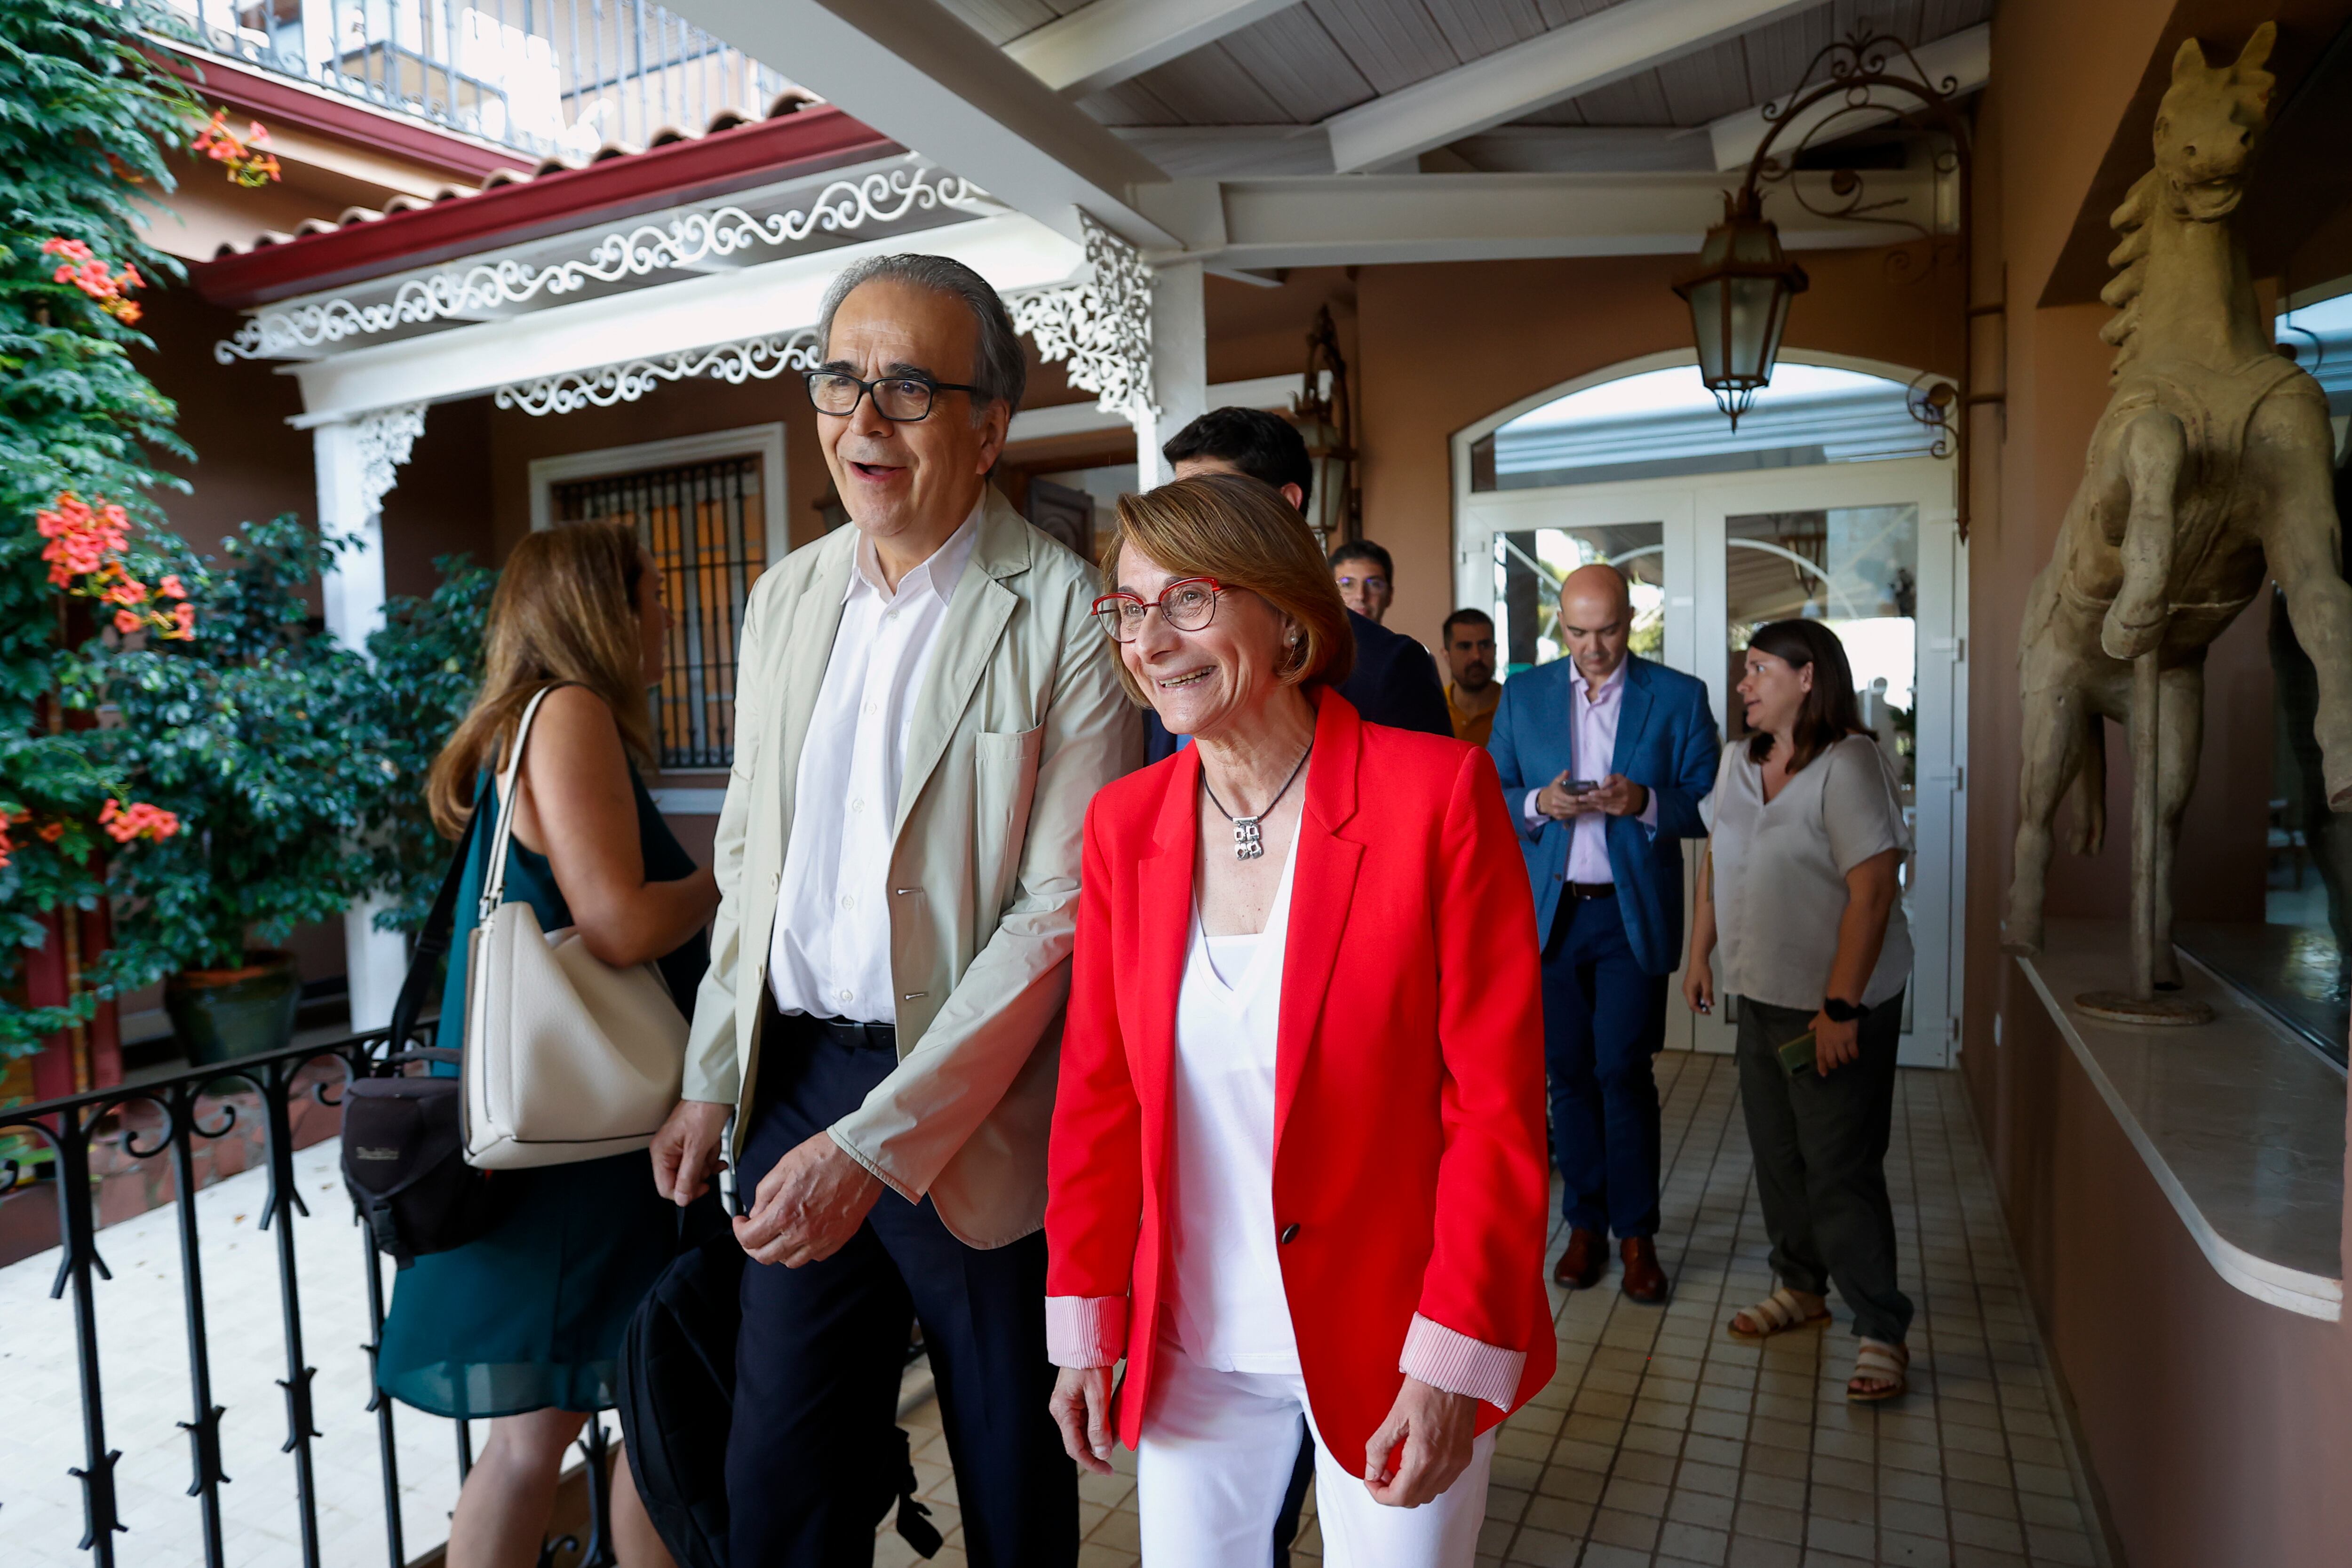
<point>565,613</point>
<point>1241,532</point>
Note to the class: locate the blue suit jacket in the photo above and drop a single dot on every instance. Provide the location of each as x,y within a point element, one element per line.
<point>1666,740</point>
<point>1394,683</point>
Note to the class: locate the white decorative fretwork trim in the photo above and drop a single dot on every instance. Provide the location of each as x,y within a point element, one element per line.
<point>842,206</point>
<point>385,439</point>
<point>747,359</point>
<point>1102,326</point>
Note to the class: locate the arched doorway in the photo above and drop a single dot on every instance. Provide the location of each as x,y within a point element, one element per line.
<point>1827,503</point>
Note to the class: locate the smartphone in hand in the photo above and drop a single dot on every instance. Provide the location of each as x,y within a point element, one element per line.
<point>1581,786</point>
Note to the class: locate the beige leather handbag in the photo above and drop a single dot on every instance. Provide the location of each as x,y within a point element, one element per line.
<point>567,1057</point>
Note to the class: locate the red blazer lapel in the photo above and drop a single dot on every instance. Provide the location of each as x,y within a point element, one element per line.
<point>1322,884</point>
<point>1163,933</point>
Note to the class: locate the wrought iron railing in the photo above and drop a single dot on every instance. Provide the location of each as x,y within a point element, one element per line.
<point>168,1117</point>
<point>546,77</point>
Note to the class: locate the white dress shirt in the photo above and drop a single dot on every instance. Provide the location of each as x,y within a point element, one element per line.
<point>1232,1313</point>
<point>830,956</point>
<point>1595,716</point>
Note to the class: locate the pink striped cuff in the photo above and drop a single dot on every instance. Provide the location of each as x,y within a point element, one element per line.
<point>1444,1358</point>
<point>1085,1330</point>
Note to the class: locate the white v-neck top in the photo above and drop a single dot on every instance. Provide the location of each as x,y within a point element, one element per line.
<point>1230,1313</point>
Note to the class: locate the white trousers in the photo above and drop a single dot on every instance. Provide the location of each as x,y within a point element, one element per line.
<point>1215,1459</point>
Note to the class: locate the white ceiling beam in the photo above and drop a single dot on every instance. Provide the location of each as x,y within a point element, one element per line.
<point>1963,58</point>
<point>1592,52</point>
<point>1102,44</point>
<point>1368,219</point>
<point>1275,392</point>
<point>917,73</point>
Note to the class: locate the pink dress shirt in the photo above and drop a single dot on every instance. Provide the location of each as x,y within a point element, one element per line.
<point>1595,717</point>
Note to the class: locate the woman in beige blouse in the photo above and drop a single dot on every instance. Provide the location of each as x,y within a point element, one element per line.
<point>1799,896</point>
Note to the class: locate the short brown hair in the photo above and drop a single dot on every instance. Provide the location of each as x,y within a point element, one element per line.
<point>1242,533</point>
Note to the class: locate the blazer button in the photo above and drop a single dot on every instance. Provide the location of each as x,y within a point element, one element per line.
<point>1289,1234</point>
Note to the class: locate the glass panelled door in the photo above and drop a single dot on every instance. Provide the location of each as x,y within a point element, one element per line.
<point>1869,549</point>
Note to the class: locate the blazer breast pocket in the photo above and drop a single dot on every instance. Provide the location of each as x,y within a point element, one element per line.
<point>1004,768</point>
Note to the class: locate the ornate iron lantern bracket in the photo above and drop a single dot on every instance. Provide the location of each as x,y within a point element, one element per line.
<point>1858,80</point>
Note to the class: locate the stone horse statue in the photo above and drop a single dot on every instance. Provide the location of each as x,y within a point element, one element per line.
<point>2210,469</point>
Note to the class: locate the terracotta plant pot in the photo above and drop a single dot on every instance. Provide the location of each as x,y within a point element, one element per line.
<point>220,1015</point>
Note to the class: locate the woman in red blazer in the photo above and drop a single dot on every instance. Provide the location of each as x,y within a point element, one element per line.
<point>1297,1156</point>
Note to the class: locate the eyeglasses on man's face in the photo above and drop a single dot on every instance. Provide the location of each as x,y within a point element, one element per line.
<point>1187,605</point>
<point>900,399</point>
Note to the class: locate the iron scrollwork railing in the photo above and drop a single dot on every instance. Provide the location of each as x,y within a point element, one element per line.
<point>67,1126</point>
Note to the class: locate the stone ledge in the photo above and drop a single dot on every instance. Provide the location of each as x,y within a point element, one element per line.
<point>2240,1123</point>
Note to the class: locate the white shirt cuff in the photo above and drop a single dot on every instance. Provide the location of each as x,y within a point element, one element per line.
<point>1086,1331</point>
<point>1447,1359</point>
<point>1530,818</point>
<point>1649,818</point>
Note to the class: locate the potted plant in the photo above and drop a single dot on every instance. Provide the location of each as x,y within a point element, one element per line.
<point>246,734</point>
<point>424,667</point>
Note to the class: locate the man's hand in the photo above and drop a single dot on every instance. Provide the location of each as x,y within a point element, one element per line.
<point>1422,1448</point>
<point>686,1151</point>
<point>1081,1408</point>
<point>1835,1044</point>
<point>1618,796</point>
<point>1555,799</point>
<point>808,1206</point>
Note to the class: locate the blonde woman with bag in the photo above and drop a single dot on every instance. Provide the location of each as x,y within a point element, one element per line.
<point>523,1327</point>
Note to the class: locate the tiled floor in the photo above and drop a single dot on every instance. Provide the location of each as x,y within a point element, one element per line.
<point>1663,1442</point>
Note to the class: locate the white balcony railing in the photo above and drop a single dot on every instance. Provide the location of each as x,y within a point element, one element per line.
<point>556,78</point>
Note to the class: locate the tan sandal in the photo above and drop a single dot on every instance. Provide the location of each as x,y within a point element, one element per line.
<point>1880,1363</point>
<point>1780,1312</point>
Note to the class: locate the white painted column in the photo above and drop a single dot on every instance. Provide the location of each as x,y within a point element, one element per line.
<point>1180,366</point>
<point>356,465</point>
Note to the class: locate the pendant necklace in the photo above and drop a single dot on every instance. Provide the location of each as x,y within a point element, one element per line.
<point>1248,840</point>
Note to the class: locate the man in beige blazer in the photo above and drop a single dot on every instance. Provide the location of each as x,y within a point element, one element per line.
<point>924,710</point>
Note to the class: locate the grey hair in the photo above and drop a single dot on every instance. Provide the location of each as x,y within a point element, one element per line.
<point>1000,369</point>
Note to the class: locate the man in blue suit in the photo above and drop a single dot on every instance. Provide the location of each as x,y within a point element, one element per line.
<point>1604,760</point>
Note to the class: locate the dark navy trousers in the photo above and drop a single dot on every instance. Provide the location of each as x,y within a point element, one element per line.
<point>1604,1019</point>
<point>819,1356</point>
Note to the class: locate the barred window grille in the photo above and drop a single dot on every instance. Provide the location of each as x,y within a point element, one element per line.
<point>702,521</point>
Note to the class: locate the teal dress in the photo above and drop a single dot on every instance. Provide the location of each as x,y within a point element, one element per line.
<point>530,1315</point>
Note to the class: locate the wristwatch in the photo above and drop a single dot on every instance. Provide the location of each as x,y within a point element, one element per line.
<point>1838,1011</point>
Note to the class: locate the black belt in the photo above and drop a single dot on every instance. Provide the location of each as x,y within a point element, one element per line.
<point>1580,892</point>
<point>849,1032</point>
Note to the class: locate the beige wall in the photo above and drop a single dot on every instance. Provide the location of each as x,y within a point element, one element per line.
<point>2217,1429</point>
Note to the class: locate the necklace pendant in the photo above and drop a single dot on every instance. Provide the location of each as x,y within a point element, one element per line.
<point>1247,844</point>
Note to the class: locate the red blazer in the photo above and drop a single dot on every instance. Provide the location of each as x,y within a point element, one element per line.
<point>1408,1133</point>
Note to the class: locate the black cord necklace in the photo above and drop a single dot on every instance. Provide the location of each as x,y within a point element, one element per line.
<point>1248,839</point>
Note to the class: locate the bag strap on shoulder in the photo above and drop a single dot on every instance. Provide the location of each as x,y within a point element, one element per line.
<point>494,885</point>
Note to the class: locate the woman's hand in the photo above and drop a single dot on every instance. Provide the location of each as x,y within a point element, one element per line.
<point>1081,1408</point>
<point>1422,1448</point>
<point>1835,1044</point>
<point>1699,984</point>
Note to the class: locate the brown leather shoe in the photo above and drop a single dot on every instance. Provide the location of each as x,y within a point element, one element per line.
<point>1581,1261</point>
<point>1645,1281</point>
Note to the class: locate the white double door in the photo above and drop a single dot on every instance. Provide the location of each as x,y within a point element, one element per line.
<point>1870,548</point>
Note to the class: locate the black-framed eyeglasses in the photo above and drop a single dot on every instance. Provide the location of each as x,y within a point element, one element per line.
<point>1187,605</point>
<point>900,399</point>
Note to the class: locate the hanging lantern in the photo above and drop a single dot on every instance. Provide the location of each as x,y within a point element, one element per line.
<point>1738,296</point>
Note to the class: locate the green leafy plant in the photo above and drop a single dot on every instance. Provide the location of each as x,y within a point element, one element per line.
<point>426,662</point>
<point>86,120</point>
<point>249,734</point>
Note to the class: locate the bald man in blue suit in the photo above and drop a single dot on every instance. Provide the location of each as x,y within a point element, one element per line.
<point>1606,862</point>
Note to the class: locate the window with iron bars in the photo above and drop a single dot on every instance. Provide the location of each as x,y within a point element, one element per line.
<point>702,523</point>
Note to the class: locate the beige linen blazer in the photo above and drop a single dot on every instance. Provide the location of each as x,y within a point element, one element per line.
<point>1019,720</point>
